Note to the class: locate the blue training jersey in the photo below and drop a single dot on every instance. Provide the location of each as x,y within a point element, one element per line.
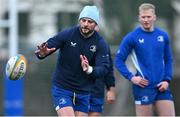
<point>71,44</point>
<point>99,85</point>
<point>153,53</point>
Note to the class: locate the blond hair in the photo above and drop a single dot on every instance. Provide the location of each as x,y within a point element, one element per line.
<point>147,6</point>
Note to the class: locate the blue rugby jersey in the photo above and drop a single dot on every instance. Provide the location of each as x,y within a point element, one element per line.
<point>107,81</point>
<point>153,53</point>
<point>71,44</point>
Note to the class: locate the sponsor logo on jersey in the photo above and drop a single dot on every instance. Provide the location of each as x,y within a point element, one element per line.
<point>141,41</point>
<point>73,44</point>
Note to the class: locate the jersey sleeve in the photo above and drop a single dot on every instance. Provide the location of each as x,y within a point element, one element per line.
<point>100,69</point>
<point>109,79</point>
<point>55,42</point>
<point>168,59</point>
<point>58,40</point>
<point>124,50</point>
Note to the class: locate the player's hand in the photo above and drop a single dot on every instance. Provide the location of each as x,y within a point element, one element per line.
<point>137,80</point>
<point>43,50</point>
<point>84,63</point>
<point>162,86</point>
<point>110,95</point>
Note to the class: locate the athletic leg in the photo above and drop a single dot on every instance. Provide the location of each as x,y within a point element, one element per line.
<point>66,111</point>
<point>164,105</point>
<point>79,113</point>
<point>62,101</point>
<point>144,110</point>
<point>165,108</point>
<point>144,99</point>
<point>94,114</point>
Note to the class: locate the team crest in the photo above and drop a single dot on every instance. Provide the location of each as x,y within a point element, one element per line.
<point>62,101</point>
<point>160,38</point>
<point>145,99</point>
<point>93,48</point>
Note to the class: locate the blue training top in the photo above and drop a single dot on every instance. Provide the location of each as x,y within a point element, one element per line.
<point>107,81</point>
<point>153,54</point>
<point>68,73</point>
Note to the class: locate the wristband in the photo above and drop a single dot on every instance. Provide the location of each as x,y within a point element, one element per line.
<point>90,69</point>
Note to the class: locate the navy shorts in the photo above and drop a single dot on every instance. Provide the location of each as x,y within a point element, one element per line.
<point>96,104</point>
<point>145,96</point>
<point>64,98</point>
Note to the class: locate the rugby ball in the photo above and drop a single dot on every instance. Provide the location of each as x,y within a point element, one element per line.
<point>16,67</point>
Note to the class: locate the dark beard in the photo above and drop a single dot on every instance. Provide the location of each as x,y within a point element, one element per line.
<point>86,34</point>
